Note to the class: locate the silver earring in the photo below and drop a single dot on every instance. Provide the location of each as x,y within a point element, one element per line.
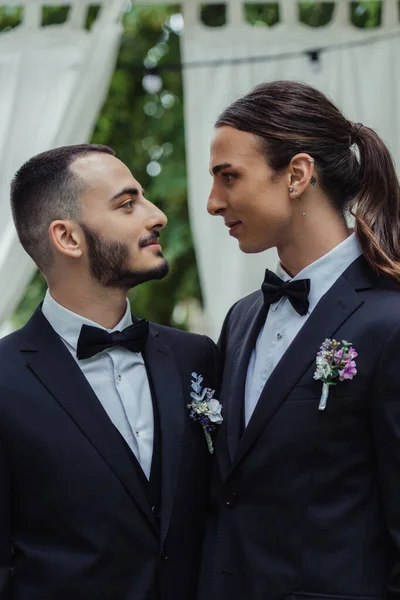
<point>290,190</point>
<point>303,214</point>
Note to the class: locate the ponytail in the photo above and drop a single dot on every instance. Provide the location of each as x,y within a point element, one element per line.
<point>289,118</point>
<point>376,207</point>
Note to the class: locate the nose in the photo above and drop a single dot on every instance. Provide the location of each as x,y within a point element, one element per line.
<point>216,204</point>
<point>158,219</point>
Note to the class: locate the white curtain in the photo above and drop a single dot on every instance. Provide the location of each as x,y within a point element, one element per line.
<point>53,82</point>
<point>357,70</point>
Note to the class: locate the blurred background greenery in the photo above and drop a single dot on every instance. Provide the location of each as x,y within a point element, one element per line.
<point>142,119</point>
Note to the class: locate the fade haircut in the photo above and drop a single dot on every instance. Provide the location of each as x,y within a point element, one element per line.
<point>46,189</point>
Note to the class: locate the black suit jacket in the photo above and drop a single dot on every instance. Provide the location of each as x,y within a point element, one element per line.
<point>306,503</point>
<point>75,521</point>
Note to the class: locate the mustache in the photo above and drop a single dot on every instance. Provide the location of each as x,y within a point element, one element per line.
<point>153,236</point>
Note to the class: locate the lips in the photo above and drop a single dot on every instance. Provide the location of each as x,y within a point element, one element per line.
<point>154,245</point>
<point>231,223</point>
<point>233,227</point>
<point>153,242</point>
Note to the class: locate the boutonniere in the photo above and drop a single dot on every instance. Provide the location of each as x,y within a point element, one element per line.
<point>335,361</point>
<point>205,409</point>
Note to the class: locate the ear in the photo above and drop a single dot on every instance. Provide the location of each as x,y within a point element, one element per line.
<point>301,172</point>
<point>66,237</point>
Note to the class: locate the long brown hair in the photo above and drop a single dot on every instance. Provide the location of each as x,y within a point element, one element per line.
<point>290,118</point>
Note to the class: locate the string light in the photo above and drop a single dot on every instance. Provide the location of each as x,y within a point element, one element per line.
<point>313,55</point>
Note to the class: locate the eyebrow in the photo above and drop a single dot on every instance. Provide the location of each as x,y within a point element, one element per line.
<point>128,191</point>
<point>218,168</point>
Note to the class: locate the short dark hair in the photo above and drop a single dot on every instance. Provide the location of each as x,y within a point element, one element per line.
<point>45,189</point>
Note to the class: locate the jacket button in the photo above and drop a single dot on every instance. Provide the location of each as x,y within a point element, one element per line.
<point>156,511</point>
<point>164,553</point>
<point>231,499</point>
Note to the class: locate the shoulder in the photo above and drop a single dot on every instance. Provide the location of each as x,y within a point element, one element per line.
<point>252,301</point>
<point>26,336</point>
<point>379,294</point>
<point>12,346</point>
<point>387,289</point>
<point>382,303</point>
<point>12,342</point>
<point>245,309</point>
<point>178,338</point>
<point>12,360</point>
<point>191,352</point>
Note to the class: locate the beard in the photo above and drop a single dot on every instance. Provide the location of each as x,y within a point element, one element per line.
<point>109,262</point>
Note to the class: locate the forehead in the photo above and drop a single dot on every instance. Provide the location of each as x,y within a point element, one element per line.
<point>103,173</point>
<point>229,145</point>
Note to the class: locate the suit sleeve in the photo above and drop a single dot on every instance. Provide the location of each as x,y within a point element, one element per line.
<point>216,366</point>
<point>386,432</point>
<point>5,529</point>
<point>222,341</point>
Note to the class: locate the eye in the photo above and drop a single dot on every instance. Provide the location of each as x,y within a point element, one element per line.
<point>228,177</point>
<point>129,204</point>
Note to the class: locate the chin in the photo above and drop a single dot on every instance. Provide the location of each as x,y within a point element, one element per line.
<point>157,266</point>
<point>129,278</point>
<point>252,247</point>
<point>155,262</point>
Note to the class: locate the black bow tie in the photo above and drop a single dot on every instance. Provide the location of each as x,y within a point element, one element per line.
<point>274,288</point>
<point>93,340</point>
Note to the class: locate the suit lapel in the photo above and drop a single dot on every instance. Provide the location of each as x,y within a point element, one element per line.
<point>237,379</point>
<point>51,362</point>
<point>340,302</point>
<point>171,406</point>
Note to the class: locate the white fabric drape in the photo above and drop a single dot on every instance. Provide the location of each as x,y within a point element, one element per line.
<point>361,78</point>
<point>53,82</point>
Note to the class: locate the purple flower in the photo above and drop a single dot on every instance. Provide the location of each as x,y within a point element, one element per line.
<point>352,354</point>
<point>334,360</point>
<point>326,345</point>
<point>338,357</point>
<point>348,372</point>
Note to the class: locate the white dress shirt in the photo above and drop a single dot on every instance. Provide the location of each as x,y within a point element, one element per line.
<point>117,376</point>
<point>283,323</point>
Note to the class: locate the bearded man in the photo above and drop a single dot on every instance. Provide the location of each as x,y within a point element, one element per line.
<point>97,447</point>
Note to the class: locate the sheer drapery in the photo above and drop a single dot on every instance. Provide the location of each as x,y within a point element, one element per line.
<point>53,82</point>
<point>357,68</point>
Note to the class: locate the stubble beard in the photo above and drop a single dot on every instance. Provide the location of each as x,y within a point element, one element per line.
<point>109,263</point>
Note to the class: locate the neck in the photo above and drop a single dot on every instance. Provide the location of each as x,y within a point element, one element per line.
<point>312,236</point>
<point>104,306</point>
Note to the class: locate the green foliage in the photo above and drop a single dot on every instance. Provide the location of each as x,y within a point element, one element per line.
<point>9,18</point>
<point>34,294</point>
<point>147,131</point>
<point>148,128</point>
<point>315,14</point>
<point>142,128</point>
<point>262,14</point>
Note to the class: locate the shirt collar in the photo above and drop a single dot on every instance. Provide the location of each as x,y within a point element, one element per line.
<point>326,270</point>
<point>68,324</point>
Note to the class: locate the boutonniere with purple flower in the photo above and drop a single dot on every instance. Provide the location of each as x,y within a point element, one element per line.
<point>204,408</point>
<point>335,361</point>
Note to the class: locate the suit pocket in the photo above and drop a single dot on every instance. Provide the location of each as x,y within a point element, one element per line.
<point>335,404</point>
<point>230,585</point>
<point>304,391</point>
<point>318,596</point>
